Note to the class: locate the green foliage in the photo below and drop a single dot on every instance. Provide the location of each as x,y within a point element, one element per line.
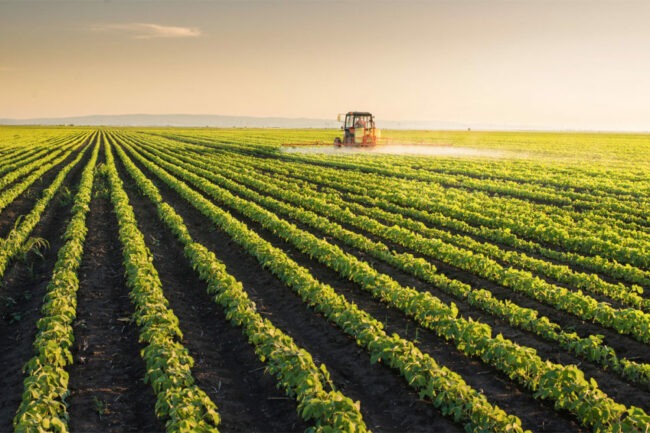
<point>293,367</point>
<point>180,402</point>
<point>100,407</point>
<point>43,406</point>
<point>519,363</point>
<point>17,241</point>
<point>561,233</point>
<point>446,389</point>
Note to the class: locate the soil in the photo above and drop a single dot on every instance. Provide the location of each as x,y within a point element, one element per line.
<point>610,382</point>
<point>505,394</point>
<point>622,391</point>
<point>21,294</point>
<point>574,267</point>
<point>226,366</point>
<point>463,152</point>
<point>24,203</point>
<point>387,403</point>
<point>107,392</point>
<point>625,345</point>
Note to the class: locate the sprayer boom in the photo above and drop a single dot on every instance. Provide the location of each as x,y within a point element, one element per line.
<point>358,130</point>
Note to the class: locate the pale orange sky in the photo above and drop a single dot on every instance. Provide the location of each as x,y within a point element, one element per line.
<point>560,64</point>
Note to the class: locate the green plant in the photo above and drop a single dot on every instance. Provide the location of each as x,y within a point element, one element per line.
<point>293,367</point>
<point>100,406</point>
<point>65,197</point>
<point>473,338</point>
<point>33,245</point>
<point>46,383</point>
<point>15,316</point>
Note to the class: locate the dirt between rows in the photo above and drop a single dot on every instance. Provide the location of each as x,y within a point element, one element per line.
<point>387,403</point>
<point>535,415</point>
<point>624,345</point>
<point>398,177</point>
<point>627,198</point>
<point>23,287</point>
<point>621,390</point>
<point>25,201</point>
<point>574,267</point>
<point>610,382</point>
<point>107,392</point>
<point>504,293</point>
<point>560,188</point>
<point>226,367</point>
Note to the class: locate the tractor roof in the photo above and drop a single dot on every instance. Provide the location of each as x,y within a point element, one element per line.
<point>359,113</point>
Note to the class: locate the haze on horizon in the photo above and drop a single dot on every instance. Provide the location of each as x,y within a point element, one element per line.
<point>547,64</point>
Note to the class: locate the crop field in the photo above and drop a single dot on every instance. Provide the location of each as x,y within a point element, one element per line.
<point>181,280</point>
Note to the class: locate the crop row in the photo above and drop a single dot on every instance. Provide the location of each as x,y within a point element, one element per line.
<point>549,381</point>
<point>45,164</point>
<point>25,156</point>
<point>626,321</point>
<point>591,348</point>
<point>46,386</point>
<point>500,187</point>
<point>595,185</point>
<point>15,241</point>
<point>293,367</point>
<point>26,166</point>
<point>22,149</point>
<point>523,219</point>
<point>394,168</point>
<point>588,177</point>
<point>578,217</point>
<point>593,283</point>
<point>447,213</point>
<point>180,402</point>
<point>368,182</point>
<point>446,389</point>
<point>624,211</point>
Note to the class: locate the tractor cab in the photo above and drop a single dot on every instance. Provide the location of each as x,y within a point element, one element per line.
<point>358,130</point>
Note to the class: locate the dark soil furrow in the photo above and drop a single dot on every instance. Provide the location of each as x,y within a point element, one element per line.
<point>387,404</point>
<point>574,267</point>
<point>226,367</point>
<point>625,345</point>
<point>397,177</point>
<point>555,248</point>
<point>612,384</point>
<point>599,298</point>
<point>21,294</point>
<point>24,203</point>
<point>108,393</point>
<point>500,390</point>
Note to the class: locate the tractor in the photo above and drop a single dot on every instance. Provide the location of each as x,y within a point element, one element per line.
<point>358,130</point>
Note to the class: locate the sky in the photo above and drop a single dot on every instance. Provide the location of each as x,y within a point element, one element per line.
<point>568,64</point>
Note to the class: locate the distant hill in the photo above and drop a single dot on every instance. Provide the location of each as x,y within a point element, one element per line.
<point>216,121</point>
<point>177,120</point>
